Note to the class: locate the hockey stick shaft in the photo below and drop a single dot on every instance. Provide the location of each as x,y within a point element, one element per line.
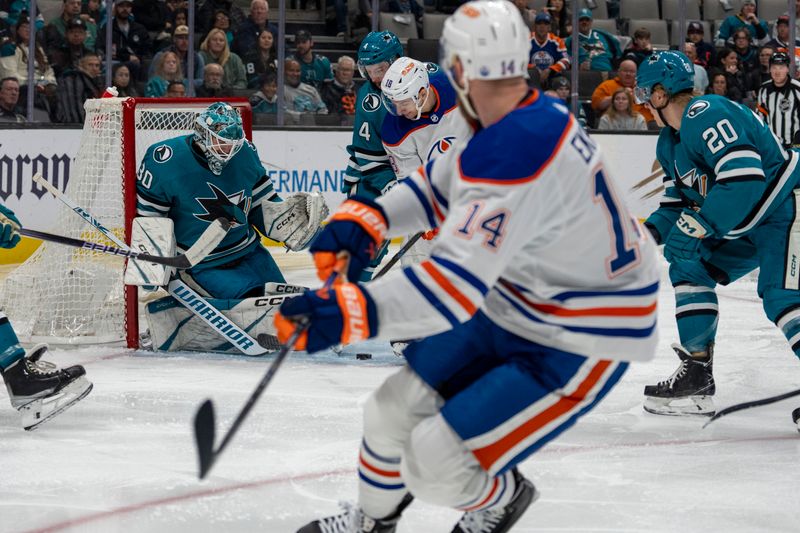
<point>218,229</point>
<point>80,211</point>
<point>396,257</point>
<point>755,403</point>
<point>204,420</point>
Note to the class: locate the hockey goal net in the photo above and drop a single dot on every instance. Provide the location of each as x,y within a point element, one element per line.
<point>71,296</point>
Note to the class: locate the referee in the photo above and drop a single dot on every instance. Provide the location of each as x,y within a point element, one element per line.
<point>779,100</point>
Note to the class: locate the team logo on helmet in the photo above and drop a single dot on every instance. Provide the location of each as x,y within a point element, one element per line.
<point>470,12</point>
<point>371,103</point>
<point>441,146</point>
<point>162,154</point>
<point>697,108</point>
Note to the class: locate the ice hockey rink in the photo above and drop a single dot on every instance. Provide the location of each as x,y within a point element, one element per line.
<point>123,460</point>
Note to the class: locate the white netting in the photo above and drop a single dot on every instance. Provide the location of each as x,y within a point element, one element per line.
<point>70,295</point>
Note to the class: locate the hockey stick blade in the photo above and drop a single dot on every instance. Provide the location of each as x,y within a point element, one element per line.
<point>209,240</point>
<point>204,436</point>
<point>754,403</point>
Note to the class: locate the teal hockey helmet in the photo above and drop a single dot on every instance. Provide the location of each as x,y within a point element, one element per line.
<point>218,130</point>
<point>378,47</point>
<point>670,69</point>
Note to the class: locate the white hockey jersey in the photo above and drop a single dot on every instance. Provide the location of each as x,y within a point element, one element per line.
<point>532,234</point>
<point>412,143</point>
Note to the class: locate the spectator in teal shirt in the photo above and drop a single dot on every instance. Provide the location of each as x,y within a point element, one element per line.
<point>598,50</point>
<point>746,18</point>
<point>315,69</point>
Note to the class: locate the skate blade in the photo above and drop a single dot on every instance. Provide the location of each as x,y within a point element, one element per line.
<point>686,406</point>
<point>41,410</point>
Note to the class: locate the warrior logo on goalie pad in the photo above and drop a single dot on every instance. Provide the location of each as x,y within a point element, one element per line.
<point>233,207</point>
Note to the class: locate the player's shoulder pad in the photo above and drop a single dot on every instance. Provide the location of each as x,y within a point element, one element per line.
<point>167,150</point>
<point>369,100</point>
<point>518,146</point>
<point>705,109</point>
<point>394,128</point>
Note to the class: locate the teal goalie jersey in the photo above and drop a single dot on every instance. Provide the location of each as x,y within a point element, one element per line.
<point>174,181</point>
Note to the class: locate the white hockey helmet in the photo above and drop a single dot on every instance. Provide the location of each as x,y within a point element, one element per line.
<point>401,87</point>
<point>489,39</point>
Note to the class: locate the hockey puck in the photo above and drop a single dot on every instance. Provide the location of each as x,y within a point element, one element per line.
<point>363,356</point>
<point>796,416</point>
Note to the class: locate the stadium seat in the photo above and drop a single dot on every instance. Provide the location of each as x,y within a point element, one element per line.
<point>432,24</point>
<point>609,25</point>
<point>712,10</point>
<point>770,10</point>
<point>424,50</point>
<point>638,9</point>
<point>599,11</point>
<point>401,24</point>
<point>659,36</point>
<point>675,34</point>
<point>669,9</point>
<point>588,80</point>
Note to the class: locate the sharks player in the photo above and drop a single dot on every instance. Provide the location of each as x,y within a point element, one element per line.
<point>369,172</point>
<point>540,282</point>
<point>729,207</point>
<point>37,389</point>
<point>215,172</point>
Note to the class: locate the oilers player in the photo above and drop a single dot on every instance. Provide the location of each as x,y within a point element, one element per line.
<point>37,389</point>
<point>369,172</point>
<point>540,282</point>
<point>728,208</point>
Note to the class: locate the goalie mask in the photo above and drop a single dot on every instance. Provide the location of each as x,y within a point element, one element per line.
<point>218,131</point>
<point>402,88</point>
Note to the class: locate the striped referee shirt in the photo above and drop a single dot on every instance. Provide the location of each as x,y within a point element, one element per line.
<point>781,107</point>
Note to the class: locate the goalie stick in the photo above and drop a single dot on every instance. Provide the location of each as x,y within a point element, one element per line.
<point>244,343</point>
<point>753,403</point>
<point>205,419</point>
<point>209,240</point>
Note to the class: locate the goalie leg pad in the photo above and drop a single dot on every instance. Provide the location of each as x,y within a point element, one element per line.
<point>175,328</point>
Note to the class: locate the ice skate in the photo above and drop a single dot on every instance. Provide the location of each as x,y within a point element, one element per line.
<point>352,520</point>
<point>40,390</point>
<point>500,520</point>
<point>688,391</point>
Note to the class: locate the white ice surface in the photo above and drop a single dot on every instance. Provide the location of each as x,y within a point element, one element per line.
<point>123,460</point>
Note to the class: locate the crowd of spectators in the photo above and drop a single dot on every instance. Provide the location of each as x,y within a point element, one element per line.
<point>236,54</point>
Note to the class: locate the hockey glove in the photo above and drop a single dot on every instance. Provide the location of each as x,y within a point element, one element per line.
<point>8,228</point>
<point>341,315</point>
<point>358,228</point>
<point>685,241</point>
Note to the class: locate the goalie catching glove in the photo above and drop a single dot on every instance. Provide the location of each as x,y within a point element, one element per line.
<point>343,314</point>
<point>358,227</point>
<point>296,220</point>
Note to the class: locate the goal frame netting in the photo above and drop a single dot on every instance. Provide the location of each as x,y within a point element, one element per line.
<point>132,140</point>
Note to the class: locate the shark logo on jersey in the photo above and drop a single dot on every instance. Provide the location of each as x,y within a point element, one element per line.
<point>233,207</point>
<point>162,154</point>
<point>441,146</point>
<point>692,180</point>
<point>371,102</point>
<point>697,108</point>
